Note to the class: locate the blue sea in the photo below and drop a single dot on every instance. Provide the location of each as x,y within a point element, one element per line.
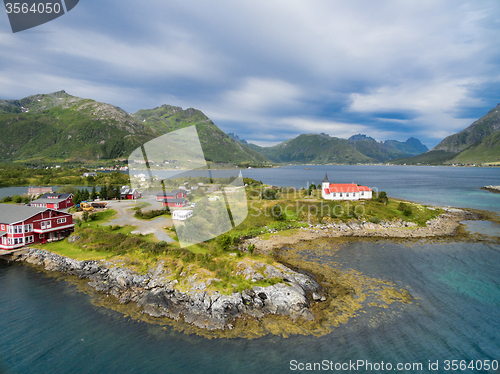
<point>48,326</point>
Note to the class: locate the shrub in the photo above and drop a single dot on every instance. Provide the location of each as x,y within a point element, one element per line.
<point>93,216</point>
<point>407,211</point>
<point>269,194</point>
<point>224,241</point>
<point>85,216</point>
<point>251,248</point>
<point>375,220</point>
<point>150,213</point>
<point>277,212</point>
<point>382,197</point>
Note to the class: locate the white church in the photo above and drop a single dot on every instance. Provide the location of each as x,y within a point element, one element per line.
<point>344,191</point>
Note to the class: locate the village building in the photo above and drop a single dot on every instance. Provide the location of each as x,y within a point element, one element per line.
<point>176,203</point>
<point>344,191</point>
<point>174,194</point>
<point>53,201</point>
<point>22,225</point>
<point>35,191</point>
<point>90,174</point>
<point>127,193</point>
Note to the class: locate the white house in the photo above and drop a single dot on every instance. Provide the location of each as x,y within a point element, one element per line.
<point>344,191</point>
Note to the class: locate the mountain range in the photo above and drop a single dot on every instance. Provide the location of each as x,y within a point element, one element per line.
<point>325,149</point>
<point>58,127</point>
<point>477,144</point>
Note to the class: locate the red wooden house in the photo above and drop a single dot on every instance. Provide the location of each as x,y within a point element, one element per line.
<point>54,201</point>
<point>176,203</point>
<point>21,225</point>
<point>175,194</point>
<point>129,193</point>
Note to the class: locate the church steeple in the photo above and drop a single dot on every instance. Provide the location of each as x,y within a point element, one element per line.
<point>326,179</point>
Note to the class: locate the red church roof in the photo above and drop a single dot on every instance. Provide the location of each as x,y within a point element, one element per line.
<point>345,188</point>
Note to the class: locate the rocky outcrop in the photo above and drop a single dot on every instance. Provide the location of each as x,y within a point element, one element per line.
<point>158,295</point>
<point>491,188</point>
<point>445,224</point>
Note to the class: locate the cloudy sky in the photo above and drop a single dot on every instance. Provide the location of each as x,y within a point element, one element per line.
<point>271,70</point>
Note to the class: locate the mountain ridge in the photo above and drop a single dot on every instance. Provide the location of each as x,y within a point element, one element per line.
<point>62,127</point>
<point>358,148</point>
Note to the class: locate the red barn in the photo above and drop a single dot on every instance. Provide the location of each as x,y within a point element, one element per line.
<point>175,203</point>
<point>21,225</point>
<point>54,201</point>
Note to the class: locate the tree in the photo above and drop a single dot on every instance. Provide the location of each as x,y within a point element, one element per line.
<point>311,188</point>
<point>103,194</point>
<point>93,195</point>
<point>77,197</point>
<point>85,194</point>
<point>85,216</point>
<point>382,197</point>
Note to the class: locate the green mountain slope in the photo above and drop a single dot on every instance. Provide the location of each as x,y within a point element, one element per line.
<point>60,127</point>
<point>428,158</point>
<point>314,149</point>
<point>480,129</point>
<point>486,150</point>
<point>217,146</point>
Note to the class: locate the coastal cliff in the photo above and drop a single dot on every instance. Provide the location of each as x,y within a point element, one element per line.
<point>159,296</point>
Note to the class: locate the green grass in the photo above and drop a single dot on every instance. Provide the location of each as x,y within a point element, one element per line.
<point>102,217</point>
<point>64,248</point>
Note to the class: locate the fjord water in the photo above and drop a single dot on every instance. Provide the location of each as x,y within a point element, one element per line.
<point>440,185</point>
<point>47,325</point>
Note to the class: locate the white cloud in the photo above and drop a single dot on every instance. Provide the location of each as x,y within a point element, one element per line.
<point>275,68</point>
<point>414,96</point>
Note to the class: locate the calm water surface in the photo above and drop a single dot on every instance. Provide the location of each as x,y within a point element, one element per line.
<point>47,326</point>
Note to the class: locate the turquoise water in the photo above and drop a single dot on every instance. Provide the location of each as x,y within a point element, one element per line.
<point>48,326</point>
<point>440,185</point>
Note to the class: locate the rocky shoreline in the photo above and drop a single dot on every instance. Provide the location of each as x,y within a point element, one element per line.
<point>158,296</point>
<point>491,188</point>
<point>445,224</point>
